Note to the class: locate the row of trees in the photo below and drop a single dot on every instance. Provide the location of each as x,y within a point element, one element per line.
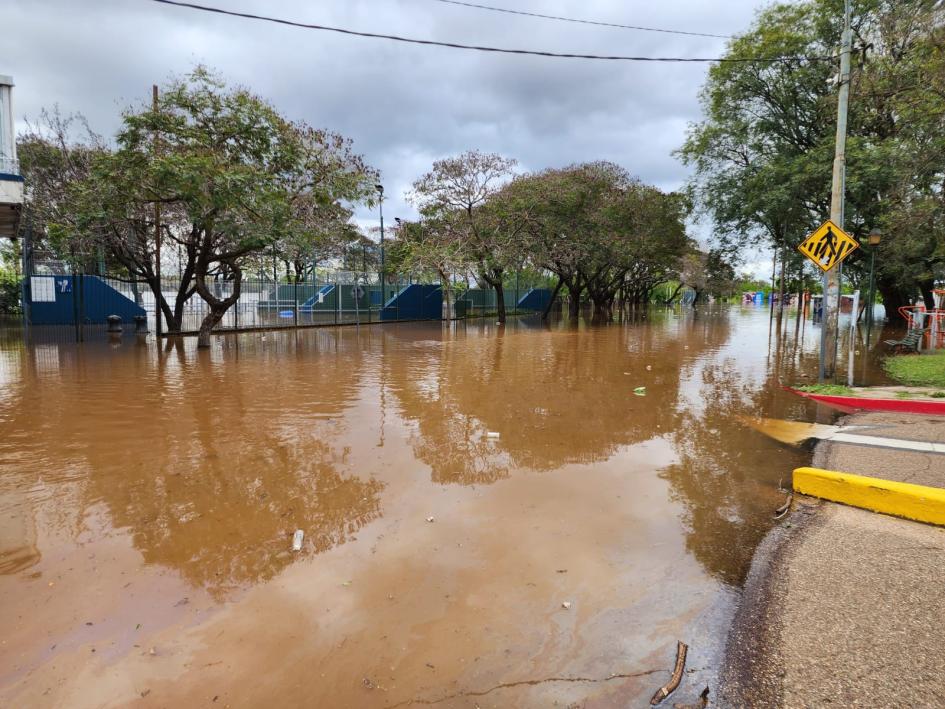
<point>762,156</point>
<point>601,232</point>
<point>218,178</point>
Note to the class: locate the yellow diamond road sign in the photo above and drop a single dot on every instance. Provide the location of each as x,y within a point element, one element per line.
<point>828,246</point>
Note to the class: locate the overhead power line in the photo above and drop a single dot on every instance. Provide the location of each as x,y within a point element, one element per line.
<point>581,22</point>
<point>500,50</point>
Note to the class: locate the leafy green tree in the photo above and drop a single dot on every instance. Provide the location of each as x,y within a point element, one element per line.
<point>763,153</point>
<point>9,290</point>
<point>457,196</point>
<point>230,176</point>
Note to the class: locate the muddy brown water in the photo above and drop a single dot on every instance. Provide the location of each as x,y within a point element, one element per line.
<point>148,498</point>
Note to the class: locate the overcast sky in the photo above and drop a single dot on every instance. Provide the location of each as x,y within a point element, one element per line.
<point>403,105</point>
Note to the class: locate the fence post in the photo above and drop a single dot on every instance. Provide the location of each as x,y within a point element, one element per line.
<point>236,311</point>
<point>296,295</point>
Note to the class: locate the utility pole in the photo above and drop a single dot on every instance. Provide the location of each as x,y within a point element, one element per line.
<point>158,325</point>
<point>831,317</point>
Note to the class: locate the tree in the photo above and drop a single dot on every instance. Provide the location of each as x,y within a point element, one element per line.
<point>456,194</point>
<point>763,153</point>
<point>600,231</point>
<point>57,153</point>
<point>231,177</point>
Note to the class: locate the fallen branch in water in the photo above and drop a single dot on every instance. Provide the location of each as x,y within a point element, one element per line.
<point>670,687</point>
<point>783,509</point>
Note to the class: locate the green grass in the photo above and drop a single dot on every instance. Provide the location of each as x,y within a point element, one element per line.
<point>938,394</point>
<point>827,389</point>
<point>917,370</point>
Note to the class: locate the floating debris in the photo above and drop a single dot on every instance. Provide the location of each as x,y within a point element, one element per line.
<point>297,540</point>
<point>566,605</point>
<point>670,687</point>
<point>640,391</point>
<point>431,519</point>
<point>492,434</point>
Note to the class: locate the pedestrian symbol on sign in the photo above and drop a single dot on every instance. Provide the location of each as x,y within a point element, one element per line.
<point>828,246</point>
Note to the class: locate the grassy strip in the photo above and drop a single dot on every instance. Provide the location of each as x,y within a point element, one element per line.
<point>917,370</point>
<point>826,389</point>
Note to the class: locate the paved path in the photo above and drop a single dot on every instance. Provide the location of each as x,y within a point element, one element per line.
<point>844,607</point>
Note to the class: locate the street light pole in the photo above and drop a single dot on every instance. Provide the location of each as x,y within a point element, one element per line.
<point>380,205</point>
<point>831,317</point>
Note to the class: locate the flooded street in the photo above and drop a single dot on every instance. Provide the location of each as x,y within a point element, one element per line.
<point>457,487</point>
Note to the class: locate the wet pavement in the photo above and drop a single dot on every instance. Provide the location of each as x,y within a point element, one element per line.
<point>844,606</point>
<point>148,499</point>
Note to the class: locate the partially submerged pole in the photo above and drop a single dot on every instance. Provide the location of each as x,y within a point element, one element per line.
<point>831,313</point>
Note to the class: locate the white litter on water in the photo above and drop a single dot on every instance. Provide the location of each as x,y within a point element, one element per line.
<point>297,540</point>
<point>566,605</point>
<point>430,519</point>
<point>492,434</point>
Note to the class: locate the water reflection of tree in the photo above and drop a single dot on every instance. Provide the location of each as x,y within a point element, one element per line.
<point>211,461</point>
<point>727,475</point>
<point>556,396</point>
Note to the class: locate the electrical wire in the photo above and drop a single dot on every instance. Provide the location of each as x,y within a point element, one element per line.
<point>500,50</point>
<point>581,22</point>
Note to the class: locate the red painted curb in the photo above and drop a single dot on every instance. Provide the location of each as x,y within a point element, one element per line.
<point>860,403</point>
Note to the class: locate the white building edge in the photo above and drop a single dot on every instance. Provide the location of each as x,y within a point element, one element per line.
<point>11,181</point>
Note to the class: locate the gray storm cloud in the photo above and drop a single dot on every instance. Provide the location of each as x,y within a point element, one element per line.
<point>403,105</point>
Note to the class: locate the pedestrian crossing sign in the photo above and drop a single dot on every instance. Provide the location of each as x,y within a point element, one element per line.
<point>828,246</point>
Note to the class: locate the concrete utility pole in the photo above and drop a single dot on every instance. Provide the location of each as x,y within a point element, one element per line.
<point>831,318</point>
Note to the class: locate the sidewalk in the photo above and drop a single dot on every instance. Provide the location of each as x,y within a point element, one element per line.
<point>845,607</point>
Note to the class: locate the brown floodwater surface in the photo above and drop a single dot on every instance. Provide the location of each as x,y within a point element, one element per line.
<point>491,516</point>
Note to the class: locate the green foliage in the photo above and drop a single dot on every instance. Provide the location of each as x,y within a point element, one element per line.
<point>917,370</point>
<point>9,291</point>
<point>763,153</point>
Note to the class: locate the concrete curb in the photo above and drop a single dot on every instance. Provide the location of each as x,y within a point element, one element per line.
<point>915,502</point>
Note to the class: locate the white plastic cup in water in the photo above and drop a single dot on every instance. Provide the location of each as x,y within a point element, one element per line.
<point>297,540</point>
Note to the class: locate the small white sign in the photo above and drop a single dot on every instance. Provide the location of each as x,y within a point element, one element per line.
<point>43,289</point>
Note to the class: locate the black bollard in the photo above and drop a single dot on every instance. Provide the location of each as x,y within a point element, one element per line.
<point>114,323</point>
<point>141,324</point>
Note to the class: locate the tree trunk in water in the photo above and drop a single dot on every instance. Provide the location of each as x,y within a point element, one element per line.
<point>500,301</point>
<point>218,306</point>
<point>675,293</point>
<point>551,301</point>
<point>210,321</point>
<point>893,299</point>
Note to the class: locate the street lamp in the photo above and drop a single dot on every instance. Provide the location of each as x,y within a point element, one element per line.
<point>873,239</point>
<point>380,206</point>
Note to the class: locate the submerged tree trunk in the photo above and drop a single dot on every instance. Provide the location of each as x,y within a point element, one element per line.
<point>551,300</point>
<point>500,301</point>
<point>893,299</point>
<point>671,298</point>
<point>218,306</point>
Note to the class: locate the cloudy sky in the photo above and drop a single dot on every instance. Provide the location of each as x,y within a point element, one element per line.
<point>403,105</point>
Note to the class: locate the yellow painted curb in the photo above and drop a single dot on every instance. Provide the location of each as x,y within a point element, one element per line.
<point>918,502</point>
